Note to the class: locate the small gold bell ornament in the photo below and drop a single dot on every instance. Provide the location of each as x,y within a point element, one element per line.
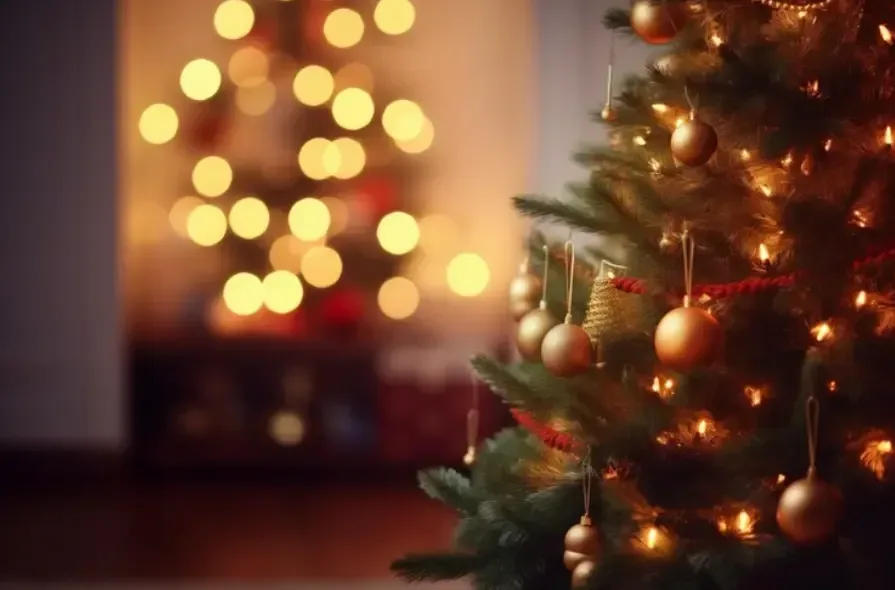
<point>567,350</point>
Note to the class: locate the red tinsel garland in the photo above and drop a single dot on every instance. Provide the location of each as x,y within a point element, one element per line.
<point>747,286</point>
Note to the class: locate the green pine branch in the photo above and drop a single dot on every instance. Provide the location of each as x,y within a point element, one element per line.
<point>445,566</point>
<point>450,487</point>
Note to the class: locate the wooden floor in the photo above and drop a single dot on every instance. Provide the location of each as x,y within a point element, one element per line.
<point>215,531</point>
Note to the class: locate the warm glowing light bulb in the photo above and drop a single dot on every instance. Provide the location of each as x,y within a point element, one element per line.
<point>398,233</point>
<point>679,121</point>
<point>200,79</point>
<point>398,298</point>
<point>158,124</point>
<point>312,158</point>
<point>468,275</point>
<point>822,331</point>
<point>243,294</point>
<point>206,225</point>
<point>884,446</point>
<point>660,108</point>
<point>287,428</point>
<point>860,299</point>
<point>745,155</point>
<point>212,176</point>
<point>754,395</point>
<point>744,523</point>
<point>422,142</point>
<point>309,219</point>
<point>886,34</point>
<point>249,218</point>
<point>780,479</point>
<point>766,189</point>
<point>403,120</point>
<point>234,19</point>
<point>639,140</point>
<point>652,537</point>
<point>353,108</point>
<point>828,145</point>
<point>281,292</point>
<point>321,267</point>
<point>344,158</point>
<point>702,427</point>
<point>343,28</point>
<point>763,253</point>
<point>717,40</point>
<point>887,136</point>
<point>313,85</point>
<point>394,17</point>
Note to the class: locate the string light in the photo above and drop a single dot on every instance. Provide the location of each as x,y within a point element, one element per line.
<point>766,189</point>
<point>702,427</point>
<point>745,155</point>
<point>754,395</point>
<point>822,331</point>
<point>828,145</point>
<point>742,525</point>
<point>874,456</point>
<point>887,136</point>
<point>716,40</point>
<point>781,479</point>
<point>885,34</point>
<point>663,388</point>
<point>763,254</point>
<point>660,108</point>
<point>639,140</point>
<point>802,6</point>
<point>832,386</point>
<point>861,218</point>
<point>787,160</point>
<point>860,299</point>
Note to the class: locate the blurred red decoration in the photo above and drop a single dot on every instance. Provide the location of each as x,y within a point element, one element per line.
<point>378,192</point>
<point>343,308</point>
<point>313,20</point>
<point>263,34</point>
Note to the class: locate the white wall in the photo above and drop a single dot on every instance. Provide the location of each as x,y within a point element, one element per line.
<point>60,354</point>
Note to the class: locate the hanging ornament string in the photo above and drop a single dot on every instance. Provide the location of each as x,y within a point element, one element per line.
<point>472,425</point>
<point>570,278</point>
<point>544,277</point>
<point>608,112</point>
<point>750,285</point>
<point>688,246</point>
<point>586,486</point>
<point>812,423</point>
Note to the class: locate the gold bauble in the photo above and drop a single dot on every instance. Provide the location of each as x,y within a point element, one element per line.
<point>582,543</point>
<point>531,331</point>
<point>809,510</point>
<point>608,113</point>
<point>694,142</point>
<point>525,293</point>
<point>582,573</point>
<point>658,21</point>
<point>567,350</point>
<point>687,338</point>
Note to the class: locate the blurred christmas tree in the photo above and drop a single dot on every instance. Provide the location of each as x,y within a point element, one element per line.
<point>716,411</point>
<point>302,160</point>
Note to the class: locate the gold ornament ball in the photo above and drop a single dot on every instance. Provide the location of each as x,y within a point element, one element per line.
<point>608,113</point>
<point>525,293</point>
<point>581,573</point>
<point>687,338</point>
<point>567,350</point>
<point>469,458</point>
<point>530,333</point>
<point>582,544</point>
<point>658,21</point>
<point>809,511</point>
<point>694,143</point>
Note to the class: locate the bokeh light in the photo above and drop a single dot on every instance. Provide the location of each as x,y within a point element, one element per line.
<point>282,291</point>
<point>249,218</point>
<point>345,158</point>
<point>468,275</point>
<point>321,267</point>
<point>398,233</point>
<point>286,253</point>
<point>180,212</point>
<point>343,28</point>
<point>421,142</point>
<point>206,225</point>
<point>309,219</point>
<point>311,158</point>
<point>313,85</point>
<point>398,298</point>
<point>355,75</point>
<point>353,108</point>
<point>403,120</point>
<point>243,293</point>
<point>287,428</point>
<point>158,124</point>
<point>234,19</point>
<point>200,79</point>
<point>248,66</point>
<point>212,176</point>
<point>338,215</point>
<point>256,100</point>
<point>394,17</point>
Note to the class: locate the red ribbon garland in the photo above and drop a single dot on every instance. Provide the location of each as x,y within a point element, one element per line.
<point>748,286</point>
<point>561,441</point>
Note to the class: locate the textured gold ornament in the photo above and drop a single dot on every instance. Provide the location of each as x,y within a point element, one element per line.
<point>567,350</point>
<point>795,4</point>
<point>610,312</point>
<point>530,332</point>
<point>608,113</point>
<point>694,142</point>
<point>658,21</point>
<point>525,292</point>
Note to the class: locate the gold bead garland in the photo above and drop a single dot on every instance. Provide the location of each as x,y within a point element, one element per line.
<point>804,5</point>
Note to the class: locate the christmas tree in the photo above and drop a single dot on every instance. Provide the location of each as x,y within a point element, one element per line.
<point>714,409</point>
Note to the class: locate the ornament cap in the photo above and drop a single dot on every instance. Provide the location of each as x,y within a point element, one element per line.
<point>543,305</point>
<point>585,520</point>
<point>812,473</point>
<point>686,301</point>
